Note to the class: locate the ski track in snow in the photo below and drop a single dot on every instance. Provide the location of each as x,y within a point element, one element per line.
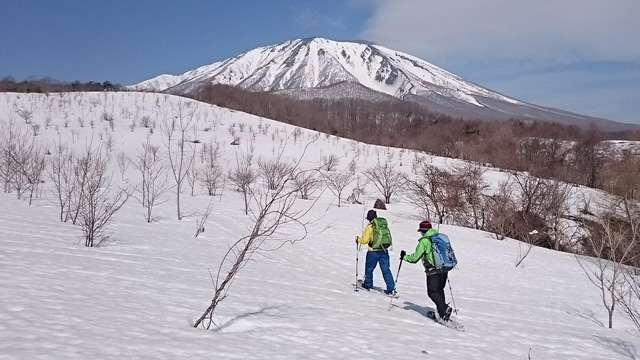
<point>137,294</point>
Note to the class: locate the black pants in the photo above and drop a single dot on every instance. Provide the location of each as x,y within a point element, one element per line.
<point>435,290</point>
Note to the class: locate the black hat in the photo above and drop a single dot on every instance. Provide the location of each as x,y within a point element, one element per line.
<point>371,214</point>
<point>424,226</point>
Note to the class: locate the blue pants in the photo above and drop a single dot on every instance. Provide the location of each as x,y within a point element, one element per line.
<point>373,258</point>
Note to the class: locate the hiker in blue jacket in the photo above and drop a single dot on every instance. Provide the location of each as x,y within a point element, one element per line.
<point>436,279</point>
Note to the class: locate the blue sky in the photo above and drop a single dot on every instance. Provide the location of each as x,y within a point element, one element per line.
<point>575,55</point>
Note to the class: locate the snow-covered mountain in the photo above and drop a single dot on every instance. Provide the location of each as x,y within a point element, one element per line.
<point>318,63</point>
<point>346,67</point>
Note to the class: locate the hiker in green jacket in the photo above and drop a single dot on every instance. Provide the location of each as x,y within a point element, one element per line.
<point>436,279</point>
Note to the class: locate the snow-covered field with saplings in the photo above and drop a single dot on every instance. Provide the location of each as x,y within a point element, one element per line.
<point>137,294</point>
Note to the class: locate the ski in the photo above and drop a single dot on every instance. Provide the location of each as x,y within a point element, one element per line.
<point>378,289</point>
<point>451,324</point>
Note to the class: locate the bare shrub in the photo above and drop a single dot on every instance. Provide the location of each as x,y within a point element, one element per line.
<point>99,202</point>
<point>26,115</point>
<point>36,129</point>
<point>146,121</point>
<point>106,116</point>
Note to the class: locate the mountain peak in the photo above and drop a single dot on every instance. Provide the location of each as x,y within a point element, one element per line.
<point>316,63</point>
<point>319,62</point>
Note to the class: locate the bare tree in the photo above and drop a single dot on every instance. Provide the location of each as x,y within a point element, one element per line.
<point>474,186</point>
<point>155,181</point>
<point>175,137</point>
<point>210,153</point>
<point>306,182</point>
<point>624,180</point>
<point>386,179</point>
<point>561,232</point>
<point>26,163</point>
<point>12,139</point>
<point>427,191</point>
<point>629,297</point>
<point>82,171</point>
<point>212,178</point>
<point>243,176</point>
<point>542,206</point>
<point>613,244</point>
<point>500,210</point>
<point>528,245</point>
<point>203,219</point>
<point>358,190</point>
<point>192,177</point>
<point>123,163</point>
<point>61,174</point>
<point>274,172</point>
<point>337,182</point>
<point>274,209</point>
<point>99,203</point>
<point>589,156</point>
<point>329,163</point>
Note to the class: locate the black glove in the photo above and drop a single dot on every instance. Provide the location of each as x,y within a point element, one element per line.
<point>402,254</point>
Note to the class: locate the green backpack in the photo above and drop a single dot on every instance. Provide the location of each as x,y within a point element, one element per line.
<point>381,234</point>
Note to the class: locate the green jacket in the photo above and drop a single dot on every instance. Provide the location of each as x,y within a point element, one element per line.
<point>423,248</point>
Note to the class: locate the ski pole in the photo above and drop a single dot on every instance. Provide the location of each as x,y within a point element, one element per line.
<point>357,251</point>
<point>452,299</point>
<point>396,283</point>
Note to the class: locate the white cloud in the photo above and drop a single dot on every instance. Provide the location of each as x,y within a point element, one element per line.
<point>563,30</point>
<point>535,51</point>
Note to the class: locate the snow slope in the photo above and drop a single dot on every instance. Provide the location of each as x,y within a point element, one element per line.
<point>137,294</point>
